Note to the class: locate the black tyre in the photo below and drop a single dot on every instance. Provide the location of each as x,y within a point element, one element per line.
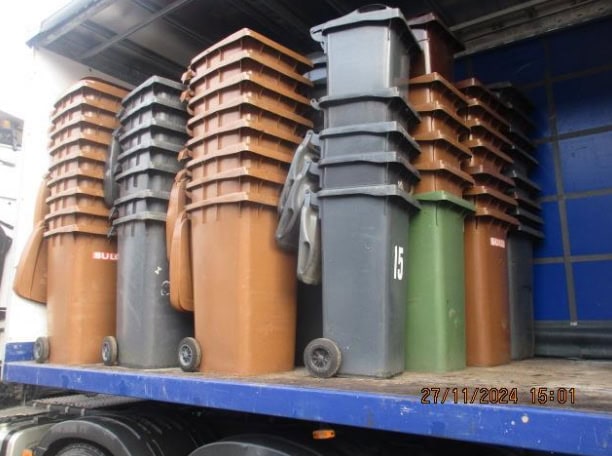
<point>189,354</point>
<point>322,358</point>
<point>81,449</point>
<point>41,350</point>
<point>109,351</point>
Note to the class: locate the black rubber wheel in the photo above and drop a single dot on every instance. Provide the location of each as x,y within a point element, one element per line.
<point>189,354</point>
<point>41,350</point>
<point>81,449</point>
<point>322,358</point>
<point>109,351</point>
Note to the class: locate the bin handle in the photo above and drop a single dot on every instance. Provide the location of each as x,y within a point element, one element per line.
<point>309,247</point>
<point>187,75</point>
<point>371,7</point>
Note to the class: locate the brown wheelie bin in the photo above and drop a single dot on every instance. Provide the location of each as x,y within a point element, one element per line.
<point>486,287</point>
<point>81,293</point>
<point>244,286</point>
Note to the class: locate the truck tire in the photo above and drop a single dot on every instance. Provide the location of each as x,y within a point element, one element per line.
<point>81,449</point>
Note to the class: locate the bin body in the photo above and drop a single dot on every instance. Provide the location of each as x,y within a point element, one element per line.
<point>365,279</point>
<point>148,328</point>
<point>435,312</point>
<point>82,271</point>
<point>244,290</point>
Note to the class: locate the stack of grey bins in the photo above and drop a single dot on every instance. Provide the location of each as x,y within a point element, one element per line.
<point>528,212</point>
<point>364,202</point>
<point>142,166</point>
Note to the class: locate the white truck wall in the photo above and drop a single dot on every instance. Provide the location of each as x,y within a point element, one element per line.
<point>48,79</point>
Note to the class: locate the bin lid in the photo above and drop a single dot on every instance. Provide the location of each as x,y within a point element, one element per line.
<point>379,191</point>
<point>373,157</point>
<point>153,81</point>
<point>425,23</point>
<point>141,217</point>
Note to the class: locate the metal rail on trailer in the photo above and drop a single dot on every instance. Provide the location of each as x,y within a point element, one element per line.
<point>389,405</point>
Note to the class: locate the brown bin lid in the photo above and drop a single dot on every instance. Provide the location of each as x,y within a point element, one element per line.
<point>435,81</point>
<point>438,137</point>
<point>234,198</point>
<point>242,58</point>
<point>30,280</point>
<point>95,230</point>
<point>98,156</point>
<point>248,78</point>
<point>84,130</point>
<point>477,110</point>
<point>251,40</point>
<point>100,101</point>
<point>472,87</point>
<point>482,130</point>
<point>87,191</point>
<point>176,205</point>
<point>95,139</point>
<point>246,102</point>
<point>238,173</point>
<point>75,210</point>
<point>478,144</point>
<point>431,23</point>
<point>91,174</point>
<point>496,216</point>
<point>85,105</point>
<point>181,274</point>
<point>250,124</point>
<point>83,120</point>
<point>238,150</point>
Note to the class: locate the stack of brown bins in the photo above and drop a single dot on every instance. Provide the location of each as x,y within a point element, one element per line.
<point>81,257</point>
<point>486,233</point>
<point>246,98</point>
<point>529,230</point>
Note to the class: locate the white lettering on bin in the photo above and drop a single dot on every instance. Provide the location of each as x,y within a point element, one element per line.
<point>495,242</point>
<point>107,256</point>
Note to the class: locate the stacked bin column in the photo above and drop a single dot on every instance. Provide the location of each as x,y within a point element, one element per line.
<point>486,234</point>
<point>247,100</point>
<point>435,316</point>
<point>81,256</point>
<point>527,212</point>
<point>365,205</point>
<point>145,163</point>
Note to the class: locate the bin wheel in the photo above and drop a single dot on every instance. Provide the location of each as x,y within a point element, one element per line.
<point>322,358</point>
<point>189,354</point>
<point>109,351</point>
<point>41,349</point>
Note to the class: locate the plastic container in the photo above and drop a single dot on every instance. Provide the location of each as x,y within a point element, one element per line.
<point>91,182</point>
<point>250,180</point>
<point>435,88</point>
<point>248,84</point>
<point>486,197</point>
<point>436,146</point>
<point>80,295</point>
<point>243,135</point>
<point>522,181</point>
<point>77,198</point>
<point>222,161</point>
<point>154,134</point>
<point>179,259</point>
<point>473,88</point>
<point>520,285</point>
<point>154,90</point>
<point>247,329</point>
<point>148,328</point>
<point>485,154</point>
<point>487,320</point>
<point>511,95</point>
<point>84,143</point>
<point>365,243</point>
<point>171,114</point>
<point>436,117</point>
<point>377,168</point>
<point>438,43</point>
<point>483,132</point>
<point>519,139</point>
<point>269,69</point>
<point>364,138</point>
<point>158,153</point>
<point>381,60</point>
<point>78,216</point>
<point>435,306</point>
<point>523,162</point>
<point>440,176</point>
<point>146,176</point>
<point>92,91</point>
<point>82,130</point>
<point>488,176</point>
<point>527,218</point>
<point>251,43</point>
<point>83,113</point>
<point>385,105</point>
<point>76,164</point>
<point>144,201</point>
<point>478,111</point>
<point>524,201</point>
<point>267,116</point>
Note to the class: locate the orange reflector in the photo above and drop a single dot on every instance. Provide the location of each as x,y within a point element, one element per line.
<point>323,434</point>
<point>27,453</point>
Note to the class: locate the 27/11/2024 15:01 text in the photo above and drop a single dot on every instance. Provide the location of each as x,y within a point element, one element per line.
<point>537,396</point>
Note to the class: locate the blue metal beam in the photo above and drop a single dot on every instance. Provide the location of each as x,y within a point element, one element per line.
<point>538,428</point>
